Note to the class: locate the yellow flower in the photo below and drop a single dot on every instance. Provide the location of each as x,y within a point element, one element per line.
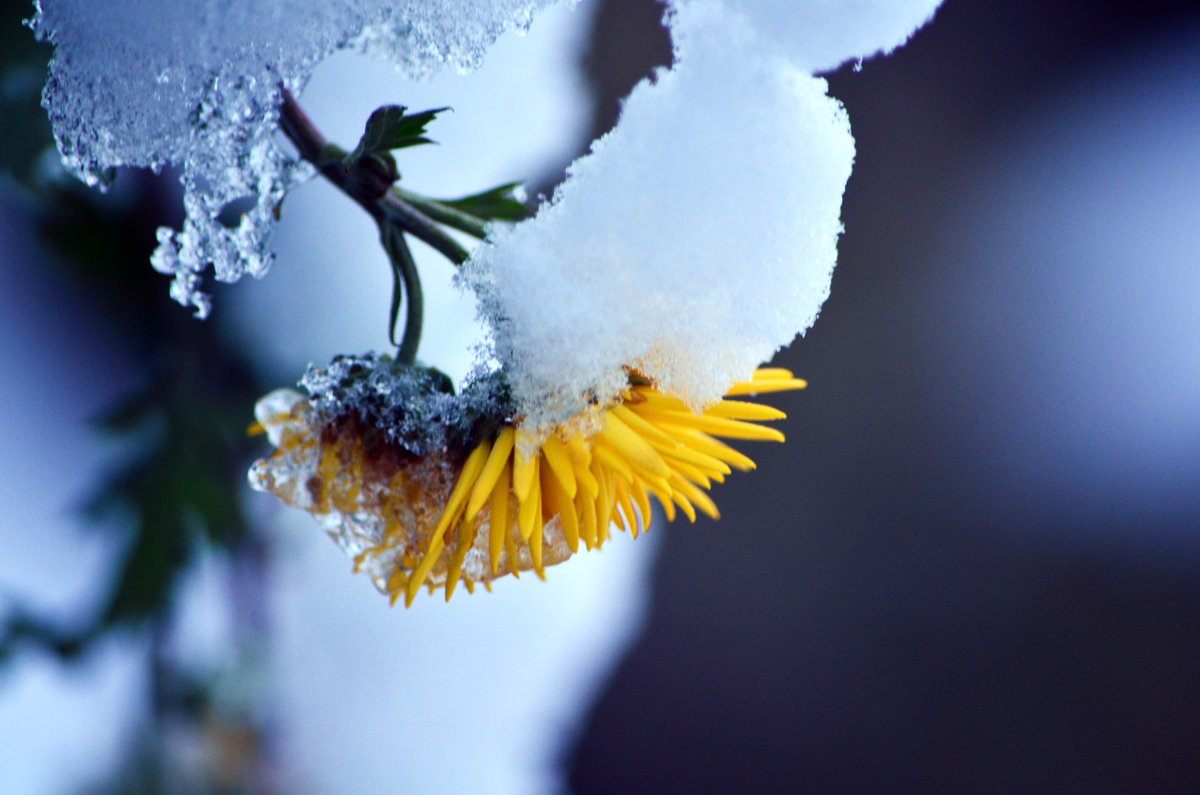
<point>507,501</point>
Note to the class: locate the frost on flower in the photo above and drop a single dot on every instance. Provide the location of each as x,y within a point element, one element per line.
<point>425,489</point>
<point>196,84</point>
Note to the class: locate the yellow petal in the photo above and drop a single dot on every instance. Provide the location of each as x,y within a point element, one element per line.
<point>535,552</point>
<point>682,452</point>
<point>702,442</point>
<point>497,461</point>
<point>458,495</point>
<point>529,511</point>
<point>638,490</point>
<point>733,429</point>
<point>585,478</point>
<point>585,506</point>
<point>608,458</point>
<point>632,446</point>
<point>771,373</point>
<point>604,504</point>
<point>523,469</point>
<point>510,547</point>
<point>696,496</point>
<point>465,537</point>
<point>637,423</point>
<point>630,520</point>
<point>769,385</point>
<point>555,453</point>
<point>663,495</point>
<point>694,474</point>
<point>646,397</point>
<point>578,451</point>
<point>744,410</point>
<point>556,502</point>
<point>683,503</point>
<point>499,518</point>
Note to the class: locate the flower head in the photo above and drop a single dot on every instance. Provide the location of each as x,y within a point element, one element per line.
<point>424,488</point>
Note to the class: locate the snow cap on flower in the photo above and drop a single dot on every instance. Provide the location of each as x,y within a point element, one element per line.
<point>695,240</point>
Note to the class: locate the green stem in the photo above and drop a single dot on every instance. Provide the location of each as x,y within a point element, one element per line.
<point>416,223</point>
<point>316,149</point>
<point>392,213</point>
<point>443,214</point>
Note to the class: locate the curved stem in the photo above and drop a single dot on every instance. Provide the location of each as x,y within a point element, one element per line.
<point>392,213</point>
<point>415,311</point>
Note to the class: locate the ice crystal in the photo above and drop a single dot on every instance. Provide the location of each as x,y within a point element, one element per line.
<point>414,407</point>
<point>196,83</point>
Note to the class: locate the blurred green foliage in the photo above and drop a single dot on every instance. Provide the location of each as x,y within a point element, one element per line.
<point>24,129</point>
<point>180,490</point>
<point>176,488</point>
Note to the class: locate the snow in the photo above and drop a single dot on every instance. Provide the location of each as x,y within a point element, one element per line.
<point>821,35</point>
<point>195,84</point>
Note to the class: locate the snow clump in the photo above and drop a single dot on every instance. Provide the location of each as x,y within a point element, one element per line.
<point>699,236</point>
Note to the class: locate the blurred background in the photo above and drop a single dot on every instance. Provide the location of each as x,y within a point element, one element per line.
<point>974,567</point>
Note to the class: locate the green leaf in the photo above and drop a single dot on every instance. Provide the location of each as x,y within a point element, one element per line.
<point>391,128</point>
<point>498,204</point>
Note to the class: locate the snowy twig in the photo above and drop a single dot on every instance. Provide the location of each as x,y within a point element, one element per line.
<point>368,181</point>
